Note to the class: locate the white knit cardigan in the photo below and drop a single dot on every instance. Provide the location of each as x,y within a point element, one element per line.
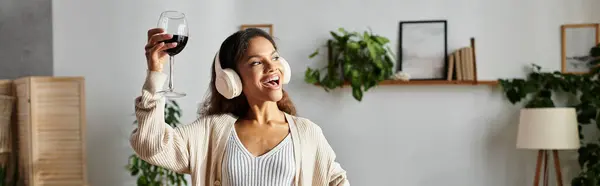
<point>198,148</point>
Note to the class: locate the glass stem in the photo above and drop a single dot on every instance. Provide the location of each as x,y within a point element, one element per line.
<point>171,62</point>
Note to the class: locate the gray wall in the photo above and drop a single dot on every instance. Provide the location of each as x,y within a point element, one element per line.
<point>25,38</point>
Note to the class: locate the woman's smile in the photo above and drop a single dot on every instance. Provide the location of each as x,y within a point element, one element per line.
<point>272,81</point>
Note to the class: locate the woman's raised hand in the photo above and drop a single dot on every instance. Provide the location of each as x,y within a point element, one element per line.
<point>155,49</point>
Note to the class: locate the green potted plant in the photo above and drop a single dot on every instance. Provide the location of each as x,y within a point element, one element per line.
<point>595,54</point>
<point>151,175</point>
<point>540,89</point>
<point>2,176</point>
<point>362,60</point>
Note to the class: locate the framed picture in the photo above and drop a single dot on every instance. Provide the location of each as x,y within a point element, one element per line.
<point>266,27</point>
<point>576,42</point>
<point>422,50</point>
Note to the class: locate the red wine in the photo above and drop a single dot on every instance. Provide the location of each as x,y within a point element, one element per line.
<point>181,42</point>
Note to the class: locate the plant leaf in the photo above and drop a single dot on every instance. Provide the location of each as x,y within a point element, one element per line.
<point>353,46</point>
<point>311,76</point>
<point>342,30</point>
<point>357,93</point>
<point>381,40</point>
<point>315,53</point>
<point>335,36</point>
<point>595,51</point>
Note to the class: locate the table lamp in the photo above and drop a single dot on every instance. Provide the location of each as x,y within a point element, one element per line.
<point>548,129</point>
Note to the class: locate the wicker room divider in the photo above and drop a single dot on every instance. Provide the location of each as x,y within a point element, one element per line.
<point>49,119</point>
<point>7,149</point>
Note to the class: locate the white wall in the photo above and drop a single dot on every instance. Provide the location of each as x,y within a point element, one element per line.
<point>104,41</point>
<point>595,14</point>
<point>398,135</point>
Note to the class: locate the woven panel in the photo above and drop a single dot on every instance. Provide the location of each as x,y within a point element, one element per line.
<point>51,122</point>
<point>58,132</point>
<point>6,109</point>
<point>6,87</point>
<point>8,159</point>
<point>24,132</point>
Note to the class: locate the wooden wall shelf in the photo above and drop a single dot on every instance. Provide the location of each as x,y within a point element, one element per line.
<point>433,82</point>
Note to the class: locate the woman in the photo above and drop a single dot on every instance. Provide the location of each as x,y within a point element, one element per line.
<point>247,133</point>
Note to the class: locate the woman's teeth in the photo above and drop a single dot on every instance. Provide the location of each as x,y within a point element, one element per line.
<point>273,81</point>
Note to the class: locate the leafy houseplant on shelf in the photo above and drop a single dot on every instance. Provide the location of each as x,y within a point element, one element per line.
<point>152,175</point>
<point>362,60</point>
<point>540,89</point>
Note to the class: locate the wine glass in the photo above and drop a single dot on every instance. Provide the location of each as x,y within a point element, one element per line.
<point>174,22</point>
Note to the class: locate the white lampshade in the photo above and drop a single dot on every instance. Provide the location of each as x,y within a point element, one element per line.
<point>548,129</point>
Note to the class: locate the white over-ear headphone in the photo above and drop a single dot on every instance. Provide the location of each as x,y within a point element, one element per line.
<point>229,84</point>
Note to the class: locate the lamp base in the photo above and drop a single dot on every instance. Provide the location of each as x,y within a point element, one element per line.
<point>543,156</point>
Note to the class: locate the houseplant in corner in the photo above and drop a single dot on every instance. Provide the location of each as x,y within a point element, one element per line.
<point>152,175</point>
<point>540,89</point>
<point>360,59</point>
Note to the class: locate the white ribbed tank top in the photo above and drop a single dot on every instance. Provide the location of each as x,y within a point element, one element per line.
<point>274,168</point>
